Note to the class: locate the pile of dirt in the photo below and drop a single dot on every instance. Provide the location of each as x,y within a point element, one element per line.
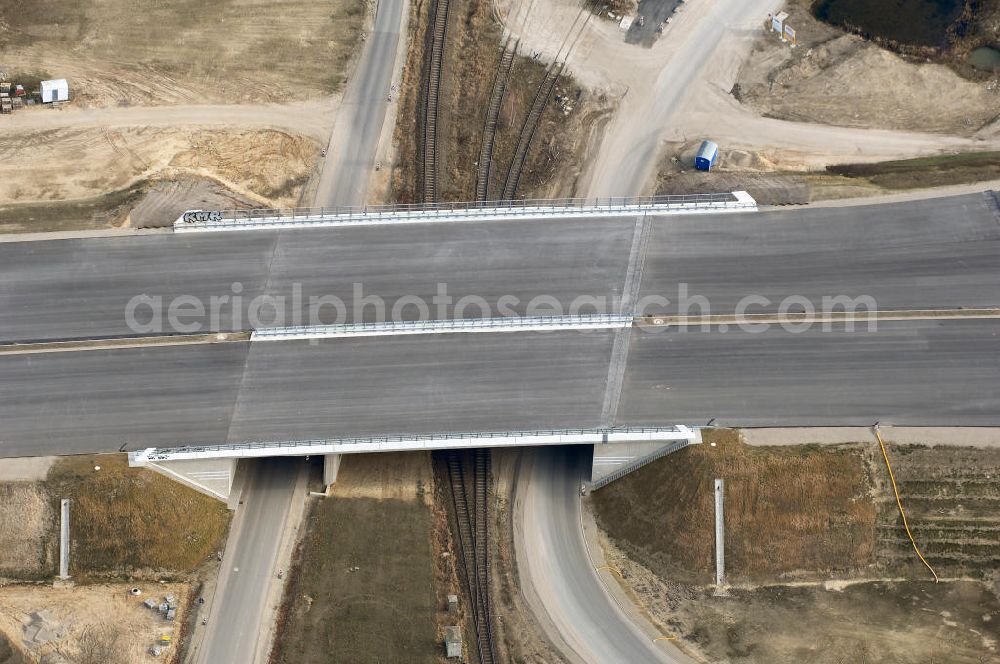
<point>790,512</point>
<point>837,79</point>
<point>166,200</point>
<point>76,167</point>
<point>952,500</point>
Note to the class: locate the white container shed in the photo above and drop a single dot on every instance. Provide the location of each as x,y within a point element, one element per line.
<point>55,90</point>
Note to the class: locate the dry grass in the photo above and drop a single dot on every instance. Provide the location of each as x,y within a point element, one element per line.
<point>128,52</point>
<point>127,521</point>
<point>788,510</point>
<point>383,611</point>
<point>471,57</point>
<point>25,521</point>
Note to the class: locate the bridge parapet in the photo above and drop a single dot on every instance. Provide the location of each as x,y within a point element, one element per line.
<point>194,221</point>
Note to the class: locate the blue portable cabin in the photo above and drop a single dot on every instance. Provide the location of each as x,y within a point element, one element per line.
<point>707,154</point>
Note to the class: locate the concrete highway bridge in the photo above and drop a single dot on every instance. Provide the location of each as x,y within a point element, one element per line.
<point>326,333</point>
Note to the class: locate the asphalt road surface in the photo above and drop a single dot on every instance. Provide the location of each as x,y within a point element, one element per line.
<point>249,564</point>
<point>926,372</point>
<point>939,253</point>
<point>576,612</point>
<point>351,153</point>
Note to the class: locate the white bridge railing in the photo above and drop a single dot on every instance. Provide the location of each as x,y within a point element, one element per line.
<point>234,220</point>
<point>436,441</point>
<point>451,326</point>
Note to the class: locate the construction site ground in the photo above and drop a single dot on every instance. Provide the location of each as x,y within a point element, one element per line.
<point>818,563</point>
<point>229,101</point>
<point>130,528</point>
<point>362,588</point>
<point>119,53</point>
<point>670,97</point>
<point>840,79</point>
<point>91,624</point>
<point>568,127</point>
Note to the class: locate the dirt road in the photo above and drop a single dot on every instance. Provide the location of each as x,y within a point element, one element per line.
<point>310,118</point>
<point>679,91</point>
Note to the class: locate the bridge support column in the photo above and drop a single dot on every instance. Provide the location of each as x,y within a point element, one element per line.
<point>331,466</point>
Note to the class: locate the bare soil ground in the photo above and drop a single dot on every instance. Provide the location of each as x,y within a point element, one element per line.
<point>60,165</point>
<point>952,500</point>
<point>103,623</point>
<point>837,79</point>
<point>752,172</point>
<point>26,519</point>
<point>566,130</point>
<point>166,200</point>
<point>59,179</point>
<point>363,586</point>
<point>119,52</point>
<point>899,622</point>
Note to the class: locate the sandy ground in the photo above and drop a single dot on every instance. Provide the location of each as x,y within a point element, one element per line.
<point>837,79</point>
<point>957,436</point>
<point>119,52</point>
<point>166,200</point>
<point>70,163</point>
<point>679,91</point>
<point>26,469</point>
<point>87,610</point>
<point>309,118</point>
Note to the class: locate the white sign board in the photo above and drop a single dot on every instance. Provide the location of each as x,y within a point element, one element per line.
<point>625,24</point>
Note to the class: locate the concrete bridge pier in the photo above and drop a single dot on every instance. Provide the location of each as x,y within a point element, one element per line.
<point>331,466</point>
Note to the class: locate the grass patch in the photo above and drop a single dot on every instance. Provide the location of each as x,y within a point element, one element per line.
<point>787,509</point>
<point>82,214</point>
<point>126,520</point>
<point>384,611</point>
<point>925,171</point>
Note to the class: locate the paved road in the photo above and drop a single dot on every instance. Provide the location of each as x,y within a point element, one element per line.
<point>920,373</point>
<point>574,609</point>
<point>925,254</point>
<point>81,288</point>
<point>249,565</point>
<point>913,373</point>
<point>351,153</point>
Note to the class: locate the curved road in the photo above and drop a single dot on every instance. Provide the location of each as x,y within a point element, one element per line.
<point>556,573</point>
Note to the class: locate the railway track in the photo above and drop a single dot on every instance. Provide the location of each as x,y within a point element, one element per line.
<point>472,520</point>
<point>500,78</point>
<point>531,120</point>
<point>435,63</point>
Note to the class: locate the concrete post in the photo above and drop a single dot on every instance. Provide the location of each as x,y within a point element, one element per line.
<point>331,466</point>
<point>64,540</point>
<point>720,538</point>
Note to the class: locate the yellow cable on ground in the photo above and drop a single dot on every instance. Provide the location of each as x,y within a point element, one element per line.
<point>895,490</point>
